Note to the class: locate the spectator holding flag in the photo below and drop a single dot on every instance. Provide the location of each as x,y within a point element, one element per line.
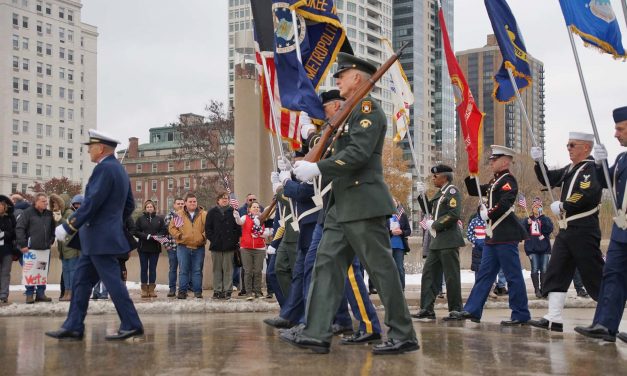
<point>223,233</point>
<point>398,225</point>
<point>538,246</point>
<point>170,245</point>
<point>149,229</point>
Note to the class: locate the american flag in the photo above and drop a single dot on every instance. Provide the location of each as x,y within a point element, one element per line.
<point>522,201</point>
<point>178,221</point>
<point>161,239</point>
<point>423,222</point>
<point>399,212</point>
<point>232,199</point>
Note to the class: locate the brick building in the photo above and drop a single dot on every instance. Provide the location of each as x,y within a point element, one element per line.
<point>157,174</point>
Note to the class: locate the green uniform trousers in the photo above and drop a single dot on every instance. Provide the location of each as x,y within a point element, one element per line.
<point>370,241</point>
<point>438,261</point>
<point>284,264</point>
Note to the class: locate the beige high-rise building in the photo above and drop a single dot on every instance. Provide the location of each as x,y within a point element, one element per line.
<point>47,92</point>
<point>504,124</point>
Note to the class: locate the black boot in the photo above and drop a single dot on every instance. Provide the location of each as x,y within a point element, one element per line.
<point>536,284</point>
<point>542,275</point>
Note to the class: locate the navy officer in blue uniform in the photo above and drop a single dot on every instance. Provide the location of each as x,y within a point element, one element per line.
<point>613,291</point>
<point>503,233</point>
<point>99,227</point>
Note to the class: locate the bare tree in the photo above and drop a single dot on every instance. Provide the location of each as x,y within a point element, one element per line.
<point>395,172</point>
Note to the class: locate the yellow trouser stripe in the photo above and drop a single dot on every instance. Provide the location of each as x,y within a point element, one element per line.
<point>360,302</point>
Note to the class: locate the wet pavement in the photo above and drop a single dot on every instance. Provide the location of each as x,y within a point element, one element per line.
<point>240,344</point>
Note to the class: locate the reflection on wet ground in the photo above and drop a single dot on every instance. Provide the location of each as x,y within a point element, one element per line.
<point>240,344</point>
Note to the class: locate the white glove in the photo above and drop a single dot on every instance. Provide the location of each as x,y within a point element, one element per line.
<point>536,153</point>
<point>285,176</point>
<point>274,177</point>
<point>556,207</point>
<point>283,164</point>
<point>421,188</point>
<point>271,250</point>
<point>306,171</point>
<point>483,212</point>
<point>599,152</point>
<point>276,187</point>
<point>60,233</point>
<point>256,221</point>
<point>148,237</point>
<point>306,126</point>
<point>1,234</point>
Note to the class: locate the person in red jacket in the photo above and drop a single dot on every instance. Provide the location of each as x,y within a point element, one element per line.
<point>253,249</point>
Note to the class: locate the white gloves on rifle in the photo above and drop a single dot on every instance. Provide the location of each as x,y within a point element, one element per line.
<point>536,153</point>
<point>60,233</point>
<point>421,188</point>
<point>274,177</point>
<point>483,212</point>
<point>306,171</point>
<point>556,207</point>
<point>599,153</point>
<point>283,164</point>
<point>284,176</point>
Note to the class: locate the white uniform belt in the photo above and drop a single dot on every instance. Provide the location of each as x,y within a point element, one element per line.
<point>490,227</point>
<point>563,223</point>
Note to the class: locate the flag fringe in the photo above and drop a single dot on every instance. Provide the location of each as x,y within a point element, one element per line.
<point>516,73</point>
<point>601,46</point>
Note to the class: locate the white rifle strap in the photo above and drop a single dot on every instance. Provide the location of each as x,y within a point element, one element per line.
<point>488,226</point>
<point>563,222</point>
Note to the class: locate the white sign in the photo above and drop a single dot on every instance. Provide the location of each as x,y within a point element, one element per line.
<point>35,268</point>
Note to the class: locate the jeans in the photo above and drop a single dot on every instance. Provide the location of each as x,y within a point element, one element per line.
<point>174,263</point>
<point>68,265</point>
<point>148,266</point>
<point>190,259</point>
<point>539,262</point>
<point>399,259</point>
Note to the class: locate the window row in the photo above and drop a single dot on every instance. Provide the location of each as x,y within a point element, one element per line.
<point>187,165</point>
<point>64,93</point>
<point>23,168</point>
<point>41,150</point>
<point>41,69</point>
<point>42,130</point>
<point>154,184</point>
<point>64,14</point>
<point>47,48</point>
<point>24,106</point>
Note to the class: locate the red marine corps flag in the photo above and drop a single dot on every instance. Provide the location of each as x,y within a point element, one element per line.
<point>470,118</point>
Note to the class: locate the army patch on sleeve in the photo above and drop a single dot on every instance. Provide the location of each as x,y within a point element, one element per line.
<point>365,123</point>
<point>366,107</point>
<point>506,187</point>
<point>452,203</point>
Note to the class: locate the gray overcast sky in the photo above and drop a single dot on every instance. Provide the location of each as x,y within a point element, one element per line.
<point>159,58</point>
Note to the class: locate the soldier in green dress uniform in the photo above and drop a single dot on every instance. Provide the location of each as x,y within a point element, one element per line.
<point>355,223</point>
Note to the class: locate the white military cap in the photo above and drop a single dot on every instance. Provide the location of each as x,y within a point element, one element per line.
<point>581,136</point>
<point>499,151</point>
<point>98,137</point>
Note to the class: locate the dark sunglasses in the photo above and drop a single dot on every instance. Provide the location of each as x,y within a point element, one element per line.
<point>252,199</point>
<point>571,145</point>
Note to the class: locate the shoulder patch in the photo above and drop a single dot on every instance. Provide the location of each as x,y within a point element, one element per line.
<point>506,187</point>
<point>366,107</point>
<point>452,203</point>
<point>365,123</point>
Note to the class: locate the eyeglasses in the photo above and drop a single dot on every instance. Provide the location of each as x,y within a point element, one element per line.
<point>252,199</point>
<point>571,145</point>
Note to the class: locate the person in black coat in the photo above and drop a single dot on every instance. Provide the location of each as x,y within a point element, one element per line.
<point>147,226</point>
<point>7,240</point>
<point>398,226</point>
<point>223,234</point>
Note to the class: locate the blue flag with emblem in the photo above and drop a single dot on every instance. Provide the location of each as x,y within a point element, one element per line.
<point>320,37</point>
<point>595,22</point>
<point>513,50</point>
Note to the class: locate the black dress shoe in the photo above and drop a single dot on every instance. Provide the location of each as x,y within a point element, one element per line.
<point>340,329</point>
<point>124,334</point>
<point>424,315</point>
<point>463,315</point>
<point>545,324</point>
<point>596,331</point>
<point>65,334</point>
<point>395,346</point>
<point>359,338</point>
<point>279,322</point>
<point>513,322</point>
<point>622,336</point>
<point>304,342</point>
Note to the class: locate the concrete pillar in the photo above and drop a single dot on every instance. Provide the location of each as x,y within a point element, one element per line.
<point>253,158</point>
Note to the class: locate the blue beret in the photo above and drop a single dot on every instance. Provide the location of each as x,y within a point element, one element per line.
<point>620,114</point>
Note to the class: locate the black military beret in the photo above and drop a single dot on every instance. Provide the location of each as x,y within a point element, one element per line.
<point>440,168</point>
<point>620,114</point>
<point>346,61</point>
<point>331,95</point>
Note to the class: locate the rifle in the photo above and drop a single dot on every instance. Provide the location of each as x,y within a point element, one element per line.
<point>318,150</point>
<point>267,212</point>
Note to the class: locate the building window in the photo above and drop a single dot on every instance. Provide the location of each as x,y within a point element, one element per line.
<point>25,22</point>
<point>61,133</point>
<point>16,126</point>
<point>70,154</point>
<point>170,184</point>
<point>16,105</point>
<point>154,167</point>
<point>25,85</point>
<point>49,90</point>
<point>38,170</point>
<point>39,151</point>
<point>24,43</point>
<point>170,166</point>
<point>70,36</point>
<point>24,168</point>
<point>138,186</point>
<point>25,64</point>
<point>15,146</point>
<point>70,114</point>
<point>39,6</point>
<point>16,42</point>
<point>187,165</point>
<point>48,49</point>
<point>25,126</point>
<point>62,34</point>
<point>40,28</point>
<point>62,171</point>
<point>48,151</point>
<point>70,95</point>
<point>48,29</point>
<point>70,56</point>
<point>40,68</point>
<point>48,8</point>
<point>62,73</point>
<point>186,183</point>
<point>48,171</point>
<point>40,108</point>
<point>61,152</point>
<point>25,148</point>
<point>70,75</point>
<point>14,167</point>
<point>61,12</point>
<point>61,92</point>
<point>16,85</point>
<point>138,168</point>
<point>16,63</point>
<point>40,89</point>
<point>40,48</point>
<point>16,21</point>
<point>48,112</point>
<point>25,105</point>
<point>70,15</point>
<point>62,113</point>
<point>154,185</point>
<point>48,70</point>
<point>70,135</point>
<point>40,130</point>
<point>61,53</point>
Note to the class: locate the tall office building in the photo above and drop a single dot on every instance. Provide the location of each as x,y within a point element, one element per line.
<point>504,124</point>
<point>48,92</point>
<point>366,23</point>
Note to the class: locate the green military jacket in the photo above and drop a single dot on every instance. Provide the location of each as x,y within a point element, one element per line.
<point>355,166</point>
<point>283,208</point>
<point>447,202</point>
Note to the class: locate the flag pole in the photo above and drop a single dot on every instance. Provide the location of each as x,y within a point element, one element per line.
<point>266,77</point>
<point>413,154</point>
<point>624,3</point>
<point>534,142</point>
<point>606,172</point>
